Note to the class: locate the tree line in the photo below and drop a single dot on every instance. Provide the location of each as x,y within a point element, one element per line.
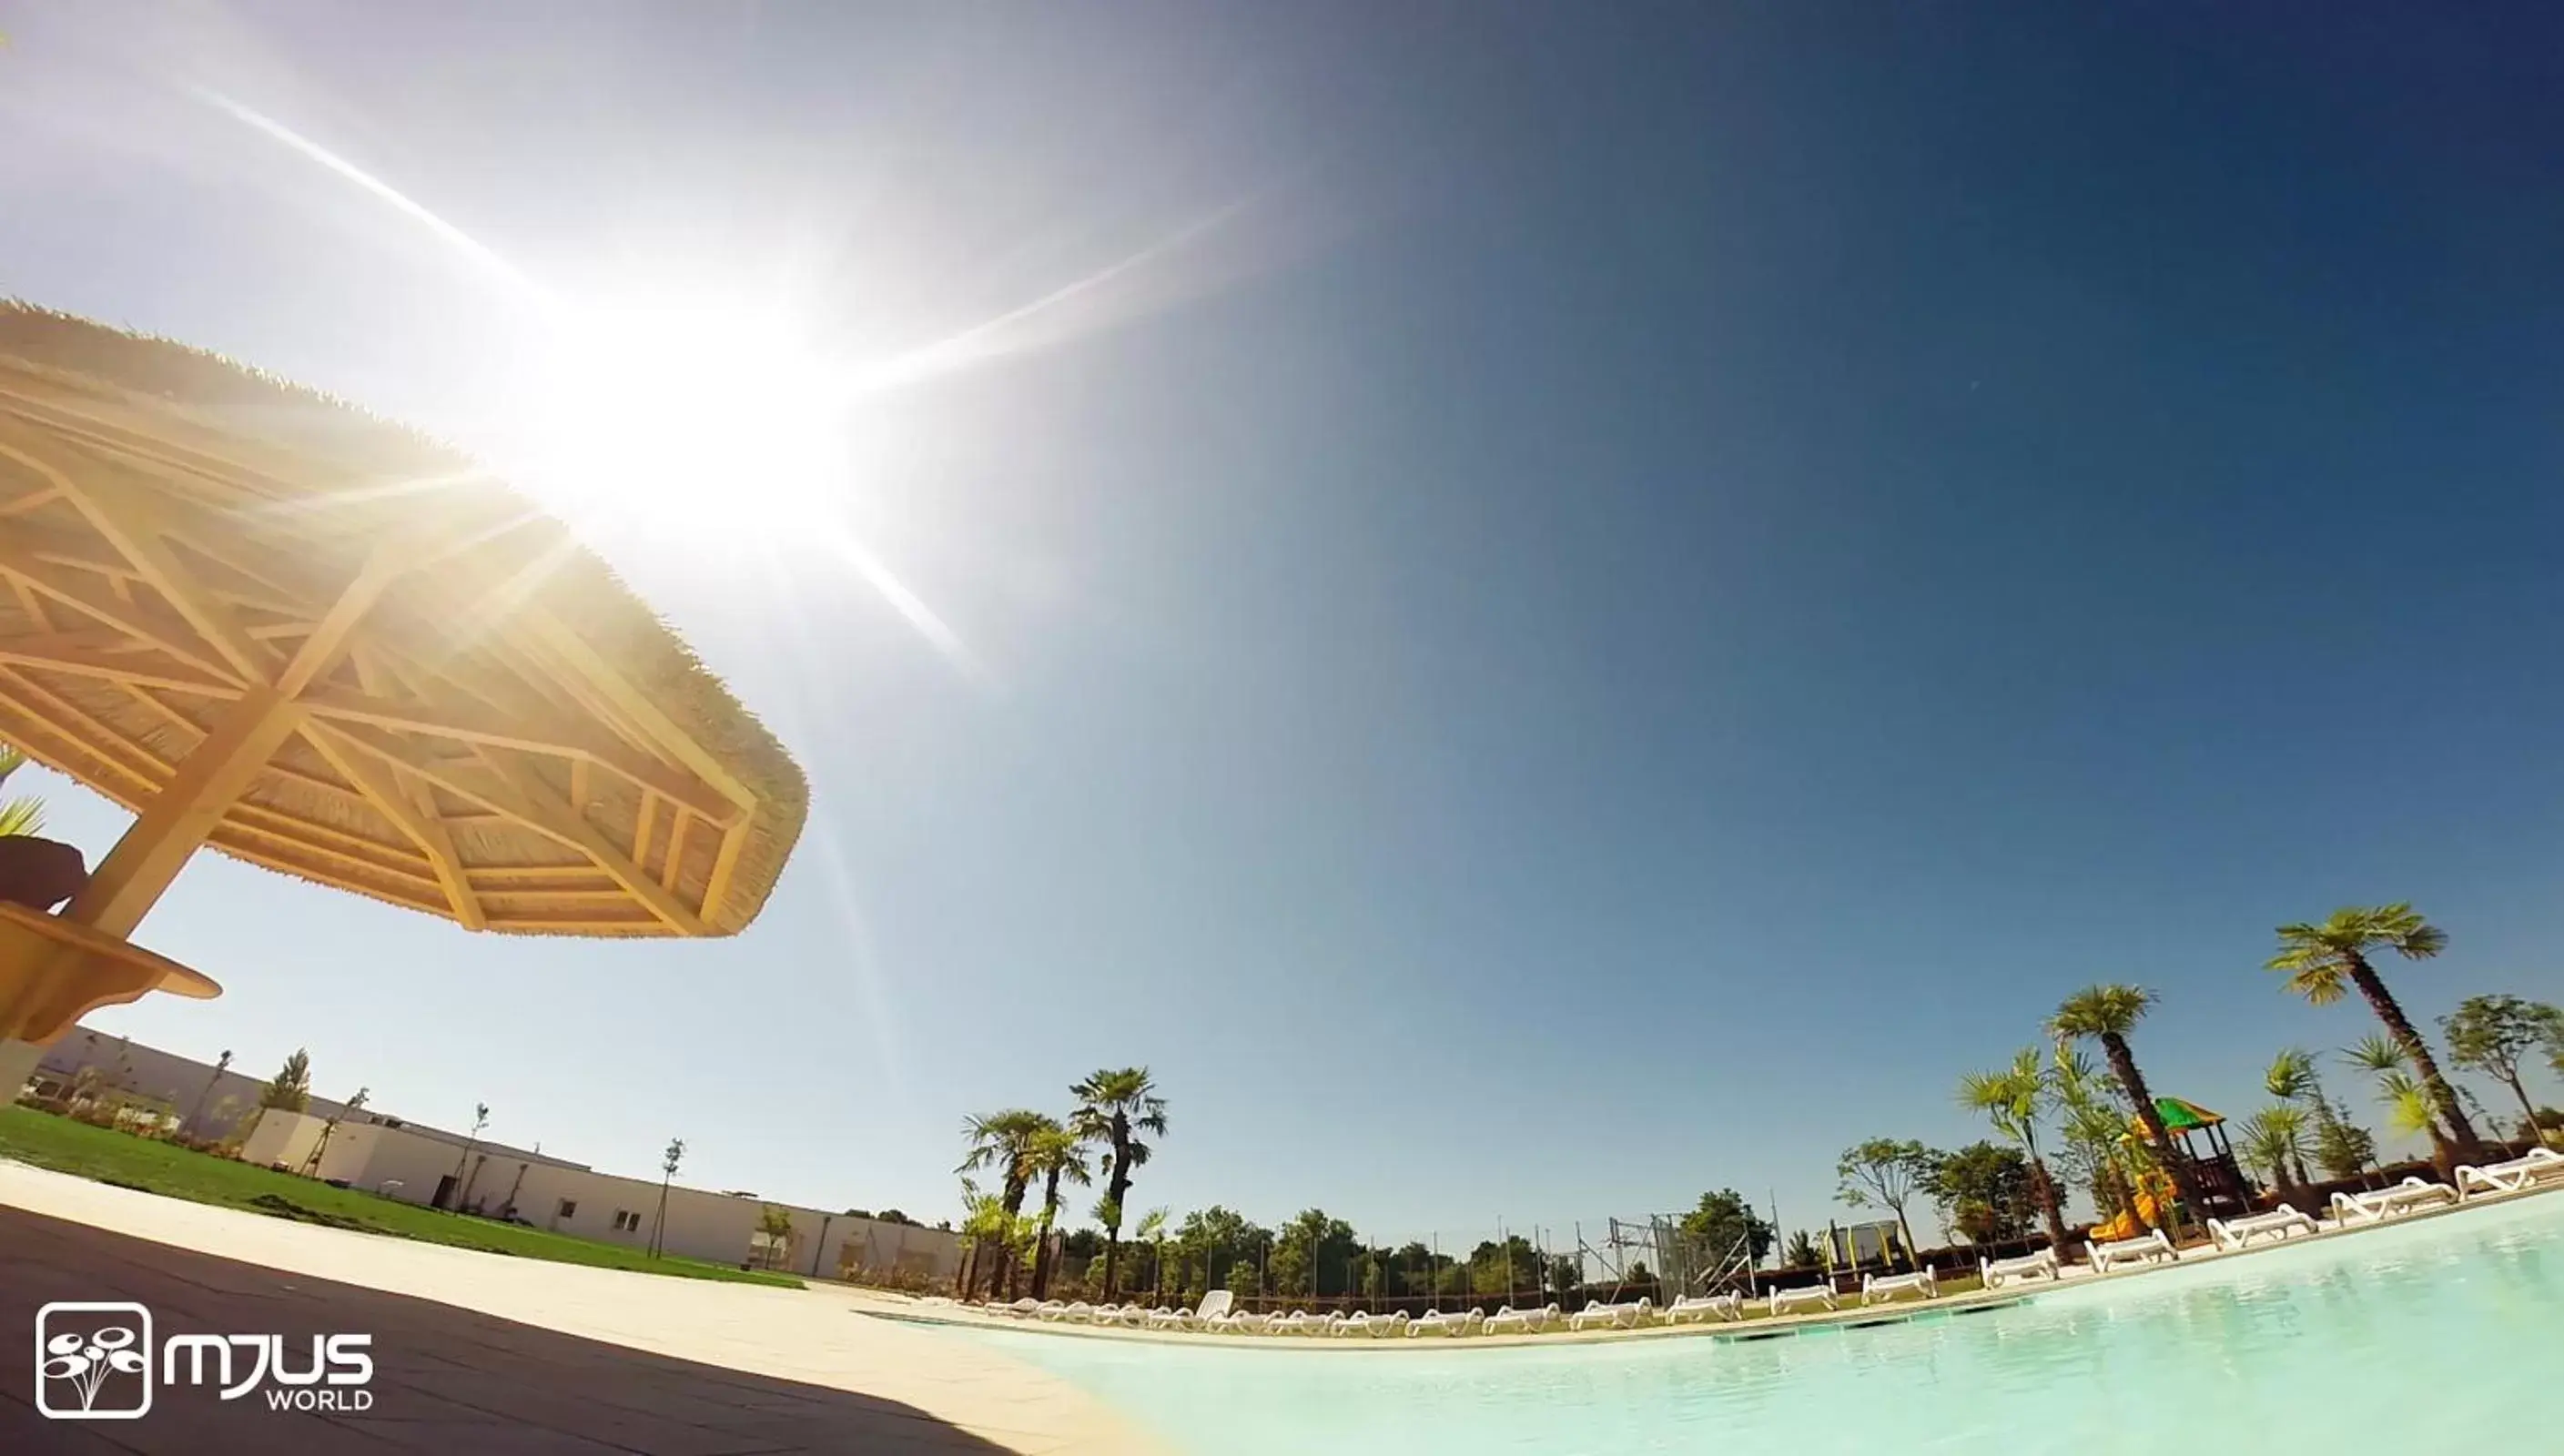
<point>2062,1120</point>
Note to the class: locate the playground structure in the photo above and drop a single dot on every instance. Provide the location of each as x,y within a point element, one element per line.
<point>1861,1248</point>
<point>2199,1140</point>
<point>2151,1201</point>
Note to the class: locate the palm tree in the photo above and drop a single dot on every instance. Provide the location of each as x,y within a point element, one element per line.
<point>1151,1230</point>
<point>2292,1078</point>
<point>2320,960</point>
<point>2012,1099</point>
<point>2275,1140</point>
<point>2106,1014</point>
<point>1112,1106</point>
<point>20,815</point>
<point>1055,1153</point>
<point>2408,1106</point>
<point>1004,1141</point>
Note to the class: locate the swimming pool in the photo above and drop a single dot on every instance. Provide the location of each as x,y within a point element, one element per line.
<point>2425,1336</point>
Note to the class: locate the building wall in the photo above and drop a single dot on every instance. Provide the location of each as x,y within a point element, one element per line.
<point>212,1106</point>
<point>380,1153</point>
<point>280,1139</point>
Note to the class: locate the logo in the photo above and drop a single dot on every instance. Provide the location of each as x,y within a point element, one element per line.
<point>95,1361</point>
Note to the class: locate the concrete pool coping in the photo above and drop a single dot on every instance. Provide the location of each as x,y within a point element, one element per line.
<point>900,1310</point>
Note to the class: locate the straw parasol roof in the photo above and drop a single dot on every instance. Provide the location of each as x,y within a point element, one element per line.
<point>477,719</point>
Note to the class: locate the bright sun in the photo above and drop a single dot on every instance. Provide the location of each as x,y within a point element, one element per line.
<point>698,415</point>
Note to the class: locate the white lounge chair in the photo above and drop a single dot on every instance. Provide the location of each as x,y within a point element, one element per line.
<point>1215,1307</point>
<point>1133,1317</point>
<point>1165,1319</point>
<point>1617,1317</point>
<point>1995,1273</point>
<point>2409,1196</point>
<point>1072,1314</point>
<point>1509,1321</point>
<point>2278,1223</point>
<point>2146,1250</point>
<point>1806,1294</point>
<point>1242,1322</point>
<point>1019,1309</point>
<point>1879,1288</point>
<point>1450,1324</point>
<point>1378,1326</point>
<point>2519,1174</point>
<point>1705,1307</point>
<point>1300,1322</point>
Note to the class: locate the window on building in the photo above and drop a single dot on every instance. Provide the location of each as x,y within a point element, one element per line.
<point>568,1208</point>
<point>626,1221</point>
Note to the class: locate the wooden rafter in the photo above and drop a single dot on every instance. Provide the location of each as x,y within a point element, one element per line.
<point>503,789</point>
<point>37,700</point>
<point>160,629</point>
<point>661,730</point>
<point>676,850</point>
<point>109,655</point>
<point>382,786</point>
<point>724,867</point>
<point>134,527</point>
<point>662,902</point>
<point>561,737</point>
<point>294,858</point>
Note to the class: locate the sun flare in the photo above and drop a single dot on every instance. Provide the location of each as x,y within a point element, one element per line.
<point>702,414</point>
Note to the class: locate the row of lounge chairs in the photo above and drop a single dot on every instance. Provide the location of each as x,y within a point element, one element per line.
<point>1216,1314</point>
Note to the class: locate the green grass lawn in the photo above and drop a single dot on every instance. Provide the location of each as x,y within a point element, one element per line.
<point>108,1157</point>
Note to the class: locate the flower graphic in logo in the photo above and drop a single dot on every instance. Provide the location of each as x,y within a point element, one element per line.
<point>87,1359</point>
<point>93,1360</point>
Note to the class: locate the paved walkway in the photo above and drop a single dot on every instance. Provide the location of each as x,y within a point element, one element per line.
<point>483,1354</point>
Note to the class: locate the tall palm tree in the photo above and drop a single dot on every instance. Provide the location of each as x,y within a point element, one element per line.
<point>2320,960</point>
<point>2095,1133</point>
<point>1055,1153</point>
<point>2012,1099</point>
<point>1003,1140</point>
<point>2106,1014</point>
<point>1112,1106</point>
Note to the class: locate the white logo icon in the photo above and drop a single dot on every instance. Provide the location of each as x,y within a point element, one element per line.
<point>93,1360</point>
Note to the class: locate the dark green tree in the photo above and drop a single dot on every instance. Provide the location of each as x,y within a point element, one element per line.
<point>1884,1173</point>
<point>1723,1224</point>
<point>1989,1192</point>
<point>2494,1034</point>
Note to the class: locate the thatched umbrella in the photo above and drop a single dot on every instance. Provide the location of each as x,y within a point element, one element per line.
<point>267,621</point>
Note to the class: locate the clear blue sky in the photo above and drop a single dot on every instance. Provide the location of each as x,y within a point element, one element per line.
<point>1586,603</point>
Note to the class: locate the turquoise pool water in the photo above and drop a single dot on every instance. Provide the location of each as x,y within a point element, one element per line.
<point>2425,1336</point>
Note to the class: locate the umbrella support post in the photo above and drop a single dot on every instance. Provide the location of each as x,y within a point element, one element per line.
<point>173,825</point>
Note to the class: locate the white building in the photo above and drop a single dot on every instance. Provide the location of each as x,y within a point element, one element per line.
<point>384,1155</point>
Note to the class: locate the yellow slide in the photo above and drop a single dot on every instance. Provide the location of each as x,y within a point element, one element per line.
<point>2150,1197</point>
